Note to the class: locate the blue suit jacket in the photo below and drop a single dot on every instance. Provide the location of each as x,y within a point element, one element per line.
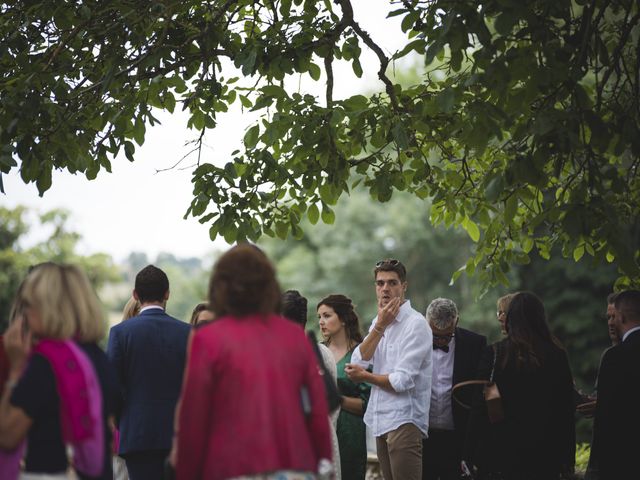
<point>148,353</point>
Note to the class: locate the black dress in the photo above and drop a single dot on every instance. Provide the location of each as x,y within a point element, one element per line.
<point>536,439</point>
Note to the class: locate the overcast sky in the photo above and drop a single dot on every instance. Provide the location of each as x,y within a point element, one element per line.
<point>135,208</point>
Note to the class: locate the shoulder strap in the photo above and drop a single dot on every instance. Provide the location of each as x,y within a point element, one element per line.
<point>495,360</point>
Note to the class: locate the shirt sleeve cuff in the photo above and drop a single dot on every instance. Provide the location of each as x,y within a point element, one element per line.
<point>356,358</point>
<point>400,381</point>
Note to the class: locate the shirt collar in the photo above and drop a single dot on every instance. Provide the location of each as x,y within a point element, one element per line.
<point>404,311</point>
<point>629,332</point>
<point>149,307</point>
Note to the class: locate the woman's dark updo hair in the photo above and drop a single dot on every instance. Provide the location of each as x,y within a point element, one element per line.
<point>294,307</point>
<point>343,306</point>
<point>243,282</point>
<point>528,334</point>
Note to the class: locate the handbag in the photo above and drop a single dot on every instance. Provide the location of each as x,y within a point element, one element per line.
<point>492,397</point>
<point>491,393</point>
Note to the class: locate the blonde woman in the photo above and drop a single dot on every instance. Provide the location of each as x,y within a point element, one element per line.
<point>502,306</point>
<point>60,391</point>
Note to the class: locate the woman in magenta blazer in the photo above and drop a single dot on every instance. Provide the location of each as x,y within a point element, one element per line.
<point>253,401</point>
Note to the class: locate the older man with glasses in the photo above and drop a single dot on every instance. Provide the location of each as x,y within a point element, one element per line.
<point>456,354</point>
<point>399,348</point>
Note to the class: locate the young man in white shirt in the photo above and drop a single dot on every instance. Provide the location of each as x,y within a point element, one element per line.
<point>398,346</point>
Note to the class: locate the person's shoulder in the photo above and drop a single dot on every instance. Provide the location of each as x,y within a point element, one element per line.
<point>179,323</point>
<point>471,335</point>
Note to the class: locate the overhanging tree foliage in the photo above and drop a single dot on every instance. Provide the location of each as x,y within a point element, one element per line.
<point>524,129</point>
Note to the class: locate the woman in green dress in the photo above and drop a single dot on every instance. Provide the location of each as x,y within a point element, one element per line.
<point>340,328</point>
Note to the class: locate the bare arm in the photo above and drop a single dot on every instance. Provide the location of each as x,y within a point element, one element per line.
<point>14,422</point>
<point>358,374</point>
<point>352,405</point>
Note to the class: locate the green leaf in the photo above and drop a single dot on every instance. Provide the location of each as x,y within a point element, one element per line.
<point>169,101</point>
<point>246,103</point>
<point>328,215</point>
<point>355,103</point>
<point>400,135</point>
<point>445,100</point>
<point>138,131</point>
<point>471,228</point>
<point>282,230</point>
<point>510,209</point>
<point>578,252</point>
<point>274,91</point>
<point>313,214</point>
<point>357,68</point>
<point>251,137</point>
<point>314,71</point>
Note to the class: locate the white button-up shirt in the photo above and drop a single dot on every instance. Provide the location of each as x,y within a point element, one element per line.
<point>404,353</point>
<point>440,413</point>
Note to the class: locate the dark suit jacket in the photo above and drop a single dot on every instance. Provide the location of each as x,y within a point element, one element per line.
<point>148,353</point>
<point>469,349</point>
<point>616,428</point>
<point>537,435</point>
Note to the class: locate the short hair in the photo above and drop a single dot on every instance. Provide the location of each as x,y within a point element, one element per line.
<point>294,307</point>
<point>504,301</point>
<point>243,282</point>
<point>628,302</point>
<point>443,312</point>
<point>66,302</point>
<point>391,265</point>
<point>201,307</point>
<point>131,309</point>
<point>611,298</point>
<point>152,284</point>
<point>344,308</point>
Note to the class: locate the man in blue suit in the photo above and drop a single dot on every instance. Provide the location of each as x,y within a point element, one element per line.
<point>148,353</point>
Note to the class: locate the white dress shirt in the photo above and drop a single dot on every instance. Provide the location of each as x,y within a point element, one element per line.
<point>440,413</point>
<point>404,353</point>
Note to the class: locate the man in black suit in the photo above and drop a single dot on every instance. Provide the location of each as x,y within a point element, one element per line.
<point>616,442</point>
<point>148,352</point>
<point>456,354</point>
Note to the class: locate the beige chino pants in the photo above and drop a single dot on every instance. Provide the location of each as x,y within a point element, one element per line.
<point>400,453</point>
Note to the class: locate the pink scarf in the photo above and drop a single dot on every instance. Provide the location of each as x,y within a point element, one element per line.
<point>80,409</point>
<point>80,403</point>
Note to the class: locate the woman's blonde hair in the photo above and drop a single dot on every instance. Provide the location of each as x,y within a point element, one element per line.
<point>66,302</point>
<point>504,301</point>
<point>131,309</point>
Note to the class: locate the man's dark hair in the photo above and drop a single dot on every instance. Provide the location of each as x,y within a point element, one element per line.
<point>294,307</point>
<point>628,302</point>
<point>611,298</point>
<point>151,285</point>
<point>391,265</point>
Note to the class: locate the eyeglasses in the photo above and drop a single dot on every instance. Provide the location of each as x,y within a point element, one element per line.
<point>391,261</point>
<point>500,312</point>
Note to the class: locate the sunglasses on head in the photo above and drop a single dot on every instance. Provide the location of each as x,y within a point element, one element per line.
<point>393,262</point>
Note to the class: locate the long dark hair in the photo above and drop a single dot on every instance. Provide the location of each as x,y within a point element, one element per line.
<point>343,306</point>
<point>528,334</point>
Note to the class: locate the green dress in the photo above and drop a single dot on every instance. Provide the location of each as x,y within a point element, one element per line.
<point>351,429</point>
